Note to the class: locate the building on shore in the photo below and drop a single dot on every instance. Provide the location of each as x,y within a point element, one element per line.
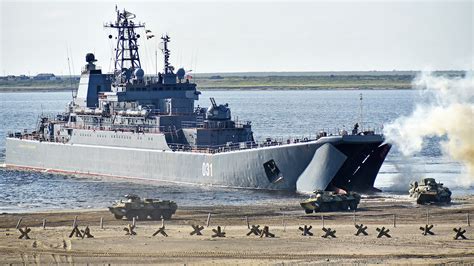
<point>45,76</point>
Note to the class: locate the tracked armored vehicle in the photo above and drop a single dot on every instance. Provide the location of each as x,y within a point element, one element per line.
<point>326,201</point>
<point>133,206</point>
<point>428,191</point>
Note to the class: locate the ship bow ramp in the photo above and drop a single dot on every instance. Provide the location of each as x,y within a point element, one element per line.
<point>321,170</point>
<point>350,163</point>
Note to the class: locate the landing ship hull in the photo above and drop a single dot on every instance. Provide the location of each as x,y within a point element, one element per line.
<point>124,124</point>
<point>347,162</point>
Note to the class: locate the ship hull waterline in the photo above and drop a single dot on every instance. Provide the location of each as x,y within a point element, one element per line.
<point>303,167</point>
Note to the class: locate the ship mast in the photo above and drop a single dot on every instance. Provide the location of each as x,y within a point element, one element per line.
<point>127,59</point>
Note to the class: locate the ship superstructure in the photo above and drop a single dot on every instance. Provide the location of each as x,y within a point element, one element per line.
<point>127,124</point>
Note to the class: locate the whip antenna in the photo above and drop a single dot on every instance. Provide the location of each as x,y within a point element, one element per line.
<point>361,109</point>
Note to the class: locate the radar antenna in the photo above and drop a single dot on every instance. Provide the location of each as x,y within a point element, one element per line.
<point>127,59</point>
<point>168,67</point>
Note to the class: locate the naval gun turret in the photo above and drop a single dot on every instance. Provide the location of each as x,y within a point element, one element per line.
<point>219,112</point>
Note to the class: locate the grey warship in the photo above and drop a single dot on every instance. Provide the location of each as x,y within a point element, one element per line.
<point>125,124</point>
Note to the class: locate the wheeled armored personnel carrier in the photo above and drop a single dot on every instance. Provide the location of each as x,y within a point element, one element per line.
<point>325,201</point>
<point>428,191</point>
<point>133,206</point>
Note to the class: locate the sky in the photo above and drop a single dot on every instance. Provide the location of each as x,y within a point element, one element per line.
<point>243,36</point>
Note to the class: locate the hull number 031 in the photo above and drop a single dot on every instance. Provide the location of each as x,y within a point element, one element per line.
<point>206,169</point>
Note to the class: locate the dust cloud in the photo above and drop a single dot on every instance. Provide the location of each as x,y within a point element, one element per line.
<point>447,111</point>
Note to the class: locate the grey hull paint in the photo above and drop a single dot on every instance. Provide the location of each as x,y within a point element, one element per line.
<point>324,165</point>
<point>243,168</point>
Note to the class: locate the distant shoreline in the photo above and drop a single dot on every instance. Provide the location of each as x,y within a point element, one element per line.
<point>258,81</point>
<point>223,88</point>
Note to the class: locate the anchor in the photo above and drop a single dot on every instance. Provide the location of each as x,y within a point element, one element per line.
<point>161,230</point>
<point>266,232</point>
<point>75,231</point>
<point>426,229</point>
<point>383,232</point>
<point>129,230</point>
<point>459,233</point>
<point>329,232</point>
<point>306,230</point>
<point>361,229</point>
<point>197,230</point>
<point>86,233</point>
<point>218,232</point>
<point>255,230</point>
<point>24,233</point>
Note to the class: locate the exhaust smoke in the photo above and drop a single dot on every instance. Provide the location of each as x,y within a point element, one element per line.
<point>447,112</point>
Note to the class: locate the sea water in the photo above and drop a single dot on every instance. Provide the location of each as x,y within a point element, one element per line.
<point>277,114</point>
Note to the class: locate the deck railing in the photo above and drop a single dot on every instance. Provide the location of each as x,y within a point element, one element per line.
<point>369,129</point>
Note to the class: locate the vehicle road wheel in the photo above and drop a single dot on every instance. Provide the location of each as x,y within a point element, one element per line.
<point>353,206</point>
<point>445,200</point>
<point>130,215</point>
<point>156,215</point>
<point>308,211</point>
<point>142,216</point>
<point>339,206</point>
<point>323,208</point>
<point>167,215</point>
<point>344,206</point>
<point>118,217</point>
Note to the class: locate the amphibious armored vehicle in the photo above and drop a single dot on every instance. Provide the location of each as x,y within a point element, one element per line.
<point>428,191</point>
<point>324,201</point>
<point>133,206</point>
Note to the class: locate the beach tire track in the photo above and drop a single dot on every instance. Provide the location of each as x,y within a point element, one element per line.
<point>70,255</point>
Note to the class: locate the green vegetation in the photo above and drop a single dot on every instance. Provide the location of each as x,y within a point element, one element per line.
<point>306,82</point>
<point>38,85</point>
<point>258,81</point>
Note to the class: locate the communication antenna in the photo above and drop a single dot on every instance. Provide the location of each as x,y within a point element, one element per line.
<point>70,75</point>
<point>156,61</point>
<point>195,61</point>
<point>361,109</point>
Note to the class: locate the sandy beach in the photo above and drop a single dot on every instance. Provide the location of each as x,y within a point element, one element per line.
<point>289,246</point>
